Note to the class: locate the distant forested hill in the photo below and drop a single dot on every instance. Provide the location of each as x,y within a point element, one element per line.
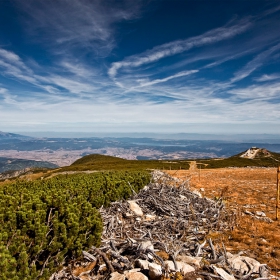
<point>9,164</point>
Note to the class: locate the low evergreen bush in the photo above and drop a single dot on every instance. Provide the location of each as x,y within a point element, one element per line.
<point>44,223</point>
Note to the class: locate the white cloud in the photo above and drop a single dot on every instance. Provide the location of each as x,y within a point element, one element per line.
<point>74,79</point>
<point>266,78</point>
<point>254,64</point>
<point>11,65</point>
<point>176,47</point>
<point>3,90</point>
<point>263,92</point>
<point>86,24</point>
<point>157,81</point>
<point>10,56</point>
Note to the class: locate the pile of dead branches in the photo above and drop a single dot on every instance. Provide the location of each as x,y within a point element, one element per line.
<point>161,233</point>
<point>173,216</point>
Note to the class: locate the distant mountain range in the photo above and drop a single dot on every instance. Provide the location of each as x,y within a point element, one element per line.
<point>9,136</point>
<point>10,164</point>
<point>64,151</point>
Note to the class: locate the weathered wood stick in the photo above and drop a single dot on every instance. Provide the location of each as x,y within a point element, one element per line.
<point>89,256</point>
<point>209,274</point>
<point>216,260</point>
<point>199,248</point>
<point>107,262</point>
<point>212,249</point>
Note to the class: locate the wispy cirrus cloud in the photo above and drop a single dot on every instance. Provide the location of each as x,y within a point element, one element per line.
<point>267,78</point>
<point>254,64</point>
<point>82,24</point>
<point>179,46</point>
<point>12,65</point>
<point>65,77</point>
<point>266,92</point>
<point>177,75</point>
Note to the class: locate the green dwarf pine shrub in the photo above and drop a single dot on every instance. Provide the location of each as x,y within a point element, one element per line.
<point>44,223</point>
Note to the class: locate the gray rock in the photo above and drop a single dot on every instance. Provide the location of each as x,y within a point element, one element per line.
<point>146,245</point>
<point>154,271</point>
<point>135,208</point>
<point>117,276</point>
<point>149,217</point>
<point>238,262</point>
<point>143,264</point>
<point>190,260</point>
<point>197,193</point>
<point>260,213</point>
<point>135,275</point>
<point>183,267</point>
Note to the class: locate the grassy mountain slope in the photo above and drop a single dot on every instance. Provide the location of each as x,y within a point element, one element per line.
<point>255,157</point>
<point>102,162</point>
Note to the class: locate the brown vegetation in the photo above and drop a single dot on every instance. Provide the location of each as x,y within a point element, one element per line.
<point>243,189</point>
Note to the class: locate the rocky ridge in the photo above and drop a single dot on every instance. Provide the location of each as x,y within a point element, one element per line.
<point>255,152</point>
<point>164,233</point>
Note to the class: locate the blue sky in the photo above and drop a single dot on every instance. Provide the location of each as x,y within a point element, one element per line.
<point>140,66</point>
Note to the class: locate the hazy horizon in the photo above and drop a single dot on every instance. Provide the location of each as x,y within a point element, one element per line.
<point>273,138</point>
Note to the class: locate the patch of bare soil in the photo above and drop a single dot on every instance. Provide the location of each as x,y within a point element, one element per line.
<point>244,190</point>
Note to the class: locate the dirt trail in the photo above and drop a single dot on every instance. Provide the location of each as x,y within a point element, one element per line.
<point>193,166</point>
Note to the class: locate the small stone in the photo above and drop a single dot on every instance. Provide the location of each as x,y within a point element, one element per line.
<point>155,271</point>
<point>134,275</point>
<point>260,213</point>
<point>135,208</point>
<point>149,217</point>
<point>263,240</point>
<point>185,268</point>
<point>143,264</point>
<point>145,188</point>
<point>202,189</point>
<point>117,276</point>
<point>197,193</point>
<point>229,255</point>
<point>190,260</point>
<point>144,245</point>
<point>239,263</point>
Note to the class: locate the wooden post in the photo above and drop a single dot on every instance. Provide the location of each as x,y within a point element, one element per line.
<point>277,198</point>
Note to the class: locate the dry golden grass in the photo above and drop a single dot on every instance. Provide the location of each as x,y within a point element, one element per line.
<point>252,189</point>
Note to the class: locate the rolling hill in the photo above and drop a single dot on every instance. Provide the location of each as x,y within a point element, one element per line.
<point>253,157</point>
<point>11,136</point>
<point>11,164</point>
